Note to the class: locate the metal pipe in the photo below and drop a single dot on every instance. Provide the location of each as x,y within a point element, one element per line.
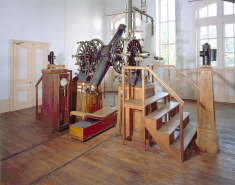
<point>144,54</point>
<point>129,16</point>
<point>116,13</point>
<point>147,16</point>
<point>140,11</point>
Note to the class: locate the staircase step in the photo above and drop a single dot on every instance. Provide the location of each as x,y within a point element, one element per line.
<point>137,103</point>
<point>171,125</point>
<point>157,114</point>
<point>189,132</point>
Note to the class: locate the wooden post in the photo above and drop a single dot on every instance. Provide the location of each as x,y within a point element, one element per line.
<point>152,75</point>
<point>119,117</point>
<point>143,110</point>
<point>181,133</point>
<point>123,107</point>
<point>207,139</point>
<point>169,77</point>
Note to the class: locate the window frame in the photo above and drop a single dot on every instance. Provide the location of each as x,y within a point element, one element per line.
<point>220,20</point>
<point>160,34</point>
<point>119,17</point>
<point>224,53</point>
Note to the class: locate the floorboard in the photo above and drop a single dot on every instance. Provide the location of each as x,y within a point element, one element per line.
<point>31,156</point>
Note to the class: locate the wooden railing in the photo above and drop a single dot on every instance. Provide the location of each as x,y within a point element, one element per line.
<point>167,87</point>
<point>39,115</point>
<point>188,80</point>
<point>172,66</point>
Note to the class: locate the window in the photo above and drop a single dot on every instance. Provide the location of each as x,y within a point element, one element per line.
<point>123,20</point>
<point>229,37</point>
<point>116,22</point>
<point>208,34</point>
<point>229,8</point>
<point>216,26</point>
<point>167,31</point>
<point>208,11</point>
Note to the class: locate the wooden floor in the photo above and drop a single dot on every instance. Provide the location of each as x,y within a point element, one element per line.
<point>30,156</point>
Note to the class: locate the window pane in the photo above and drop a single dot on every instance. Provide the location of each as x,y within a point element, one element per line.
<point>212,10</point>
<point>116,24</point>
<point>228,8</point>
<point>138,35</point>
<point>171,10</point>
<point>138,22</point>
<point>164,33</point>
<point>228,30</point>
<point>212,32</point>
<point>203,12</point>
<point>203,42</point>
<point>171,32</point>
<point>229,45</point>
<point>122,21</point>
<point>203,32</point>
<point>163,10</point>
<point>229,59</point>
<point>201,61</point>
<point>213,43</point>
<point>171,54</point>
<point>164,53</point>
<point>214,63</point>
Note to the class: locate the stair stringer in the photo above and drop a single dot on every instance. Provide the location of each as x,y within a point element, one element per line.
<point>163,142</point>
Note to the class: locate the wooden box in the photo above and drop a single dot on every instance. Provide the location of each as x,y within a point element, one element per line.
<point>87,128</point>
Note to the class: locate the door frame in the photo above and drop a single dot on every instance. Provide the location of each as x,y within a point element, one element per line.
<point>12,88</point>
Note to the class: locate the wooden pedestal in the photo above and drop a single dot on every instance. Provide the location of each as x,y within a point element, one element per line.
<point>207,139</point>
<point>55,100</point>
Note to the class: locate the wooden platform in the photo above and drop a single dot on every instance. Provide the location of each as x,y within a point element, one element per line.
<point>104,159</point>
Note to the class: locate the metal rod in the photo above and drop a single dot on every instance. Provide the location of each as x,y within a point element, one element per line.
<point>134,21</point>
<point>116,13</point>
<point>129,16</point>
<point>147,16</point>
<point>140,11</point>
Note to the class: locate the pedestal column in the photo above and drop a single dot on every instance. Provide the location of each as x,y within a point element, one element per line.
<point>207,139</point>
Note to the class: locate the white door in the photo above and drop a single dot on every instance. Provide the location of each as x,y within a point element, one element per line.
<point>40,52</point>
<point>28,60</point>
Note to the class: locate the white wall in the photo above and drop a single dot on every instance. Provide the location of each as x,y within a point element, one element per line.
<point>59,22</point>
<point>185,34</point>
<point>85,20</point>
<point>37,20</point>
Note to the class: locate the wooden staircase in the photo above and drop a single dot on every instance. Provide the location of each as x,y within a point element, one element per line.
<point>168,125</point>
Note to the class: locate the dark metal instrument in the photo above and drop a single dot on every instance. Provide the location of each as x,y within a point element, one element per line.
<point>208,54</point>
<point>104,61</point>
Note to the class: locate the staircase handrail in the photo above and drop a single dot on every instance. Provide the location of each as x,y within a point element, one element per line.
<point>170,91</point>
<point>186,78</point>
